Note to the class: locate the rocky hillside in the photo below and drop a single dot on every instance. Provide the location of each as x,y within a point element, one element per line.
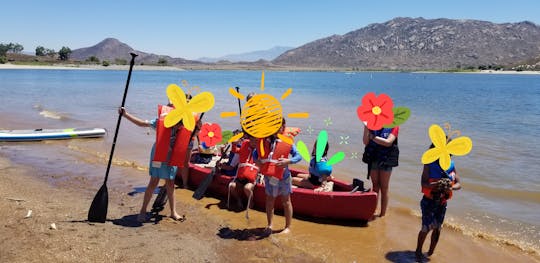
<point>417,43</point>
<point>111,49</point>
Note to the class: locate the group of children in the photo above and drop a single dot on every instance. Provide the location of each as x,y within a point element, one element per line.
<point>245,164</point>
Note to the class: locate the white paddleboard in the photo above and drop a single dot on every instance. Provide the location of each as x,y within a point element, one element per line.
<point>50,134</point>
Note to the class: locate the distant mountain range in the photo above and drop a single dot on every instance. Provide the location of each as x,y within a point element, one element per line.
<point>417,43</point>
<point>398,44</point>
<point>111,49</point>
<point>253,56</point>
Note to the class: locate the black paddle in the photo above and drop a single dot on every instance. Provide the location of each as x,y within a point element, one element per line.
<point>98,208</point>
<point>239,106</point>
<point>199,193</point>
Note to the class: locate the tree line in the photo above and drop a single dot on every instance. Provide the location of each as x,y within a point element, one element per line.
<point>63,54</point>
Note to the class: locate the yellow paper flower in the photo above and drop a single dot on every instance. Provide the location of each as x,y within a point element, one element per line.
<point>459,146</point>
<point>183,110</point>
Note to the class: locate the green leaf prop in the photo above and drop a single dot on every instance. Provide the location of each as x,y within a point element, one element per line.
<point>401,115</point>
<point>322,139</point>
<point>336,158</point>
<point>225,136</point>
<point>303,150</point>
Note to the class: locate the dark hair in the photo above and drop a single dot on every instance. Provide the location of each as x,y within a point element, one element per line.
<point>314,151</point>
<point>250,95</point>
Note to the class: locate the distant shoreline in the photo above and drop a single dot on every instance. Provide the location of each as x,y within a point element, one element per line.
<point>206,67</point>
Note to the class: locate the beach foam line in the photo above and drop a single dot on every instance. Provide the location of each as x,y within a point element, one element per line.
<point>104,158</point>
<point>450,223</point>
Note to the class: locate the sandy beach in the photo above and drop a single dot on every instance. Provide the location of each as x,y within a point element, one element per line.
<point>58,193</point>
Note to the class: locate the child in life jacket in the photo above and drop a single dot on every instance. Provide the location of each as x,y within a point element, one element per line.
<point>246,172</point>
<point>277,177</point>
<point>437,187</point>
<point>319,175</point>
<point>159,170</point>
<point>229,168</point>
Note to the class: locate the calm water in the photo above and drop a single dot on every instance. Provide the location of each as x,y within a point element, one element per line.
<point>501,113</point>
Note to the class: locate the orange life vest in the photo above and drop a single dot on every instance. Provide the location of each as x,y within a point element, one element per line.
<point>278,149</point>
<point>246,167</point>
<point>163,141</point>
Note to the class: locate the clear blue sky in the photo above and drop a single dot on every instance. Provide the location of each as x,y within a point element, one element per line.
<point>196,28</point>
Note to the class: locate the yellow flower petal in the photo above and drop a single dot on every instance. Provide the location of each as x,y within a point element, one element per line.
<point>177,96</point>
<point>431,155</point>
<point>460,146</point>
<point>444,161</point>
<point>172,118</point>
<point>188,120</point>
<point>202,102</point>
<point>437,136</point>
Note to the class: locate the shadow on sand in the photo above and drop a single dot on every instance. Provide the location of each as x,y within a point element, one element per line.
<point>405,256</point>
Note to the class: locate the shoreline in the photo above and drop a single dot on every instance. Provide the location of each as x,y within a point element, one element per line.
<point>57,192</point>
<point>230,67</point>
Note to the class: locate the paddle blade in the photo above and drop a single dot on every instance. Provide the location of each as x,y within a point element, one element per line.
<point>98,208</point>
<point>199,192</point>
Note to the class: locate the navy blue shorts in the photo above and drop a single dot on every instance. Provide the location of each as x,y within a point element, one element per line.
<point>433,213</point>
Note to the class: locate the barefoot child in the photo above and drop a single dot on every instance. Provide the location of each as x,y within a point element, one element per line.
<point>277,178</point>
<point>437,186</point>
<point>157,170</point>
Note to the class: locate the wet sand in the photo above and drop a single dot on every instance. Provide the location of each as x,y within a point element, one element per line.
<point>57,181</point>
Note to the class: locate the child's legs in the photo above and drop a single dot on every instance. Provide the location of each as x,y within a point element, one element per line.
<point>169,184</point>
<point>152,184</point>
<point>248,191</point>
<point>287,210</point>
<point>375,182</point>
<point>434,240</point>
<point>384,183</point>
<point>421,238</point>
<point>270,209</point>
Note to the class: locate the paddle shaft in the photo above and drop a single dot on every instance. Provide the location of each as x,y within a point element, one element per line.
<point>239,106</point>
<point>133,55</point>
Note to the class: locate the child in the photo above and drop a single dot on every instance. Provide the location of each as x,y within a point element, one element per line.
<point>277,178</point>
<point>160,170</point>
<point>247,171</point>
<point>319,173</point>
<point>437,186</point>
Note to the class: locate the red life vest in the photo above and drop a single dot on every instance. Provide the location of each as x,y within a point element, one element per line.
<point>163,139</point>
<point>278,149</point>
<point>246,167</point>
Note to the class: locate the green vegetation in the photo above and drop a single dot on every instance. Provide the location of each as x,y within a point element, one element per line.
<point>105,63</point>
<point>162,61</point>
<point>93,59</point>
<point>64,53</point>
<point>119,61</point>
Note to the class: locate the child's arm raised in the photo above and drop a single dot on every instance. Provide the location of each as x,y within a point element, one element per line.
<point>137,121</point>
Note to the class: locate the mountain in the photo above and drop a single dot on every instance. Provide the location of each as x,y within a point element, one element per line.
<point>418,43</point>
<point>253,56</point>
<point>111,49</point>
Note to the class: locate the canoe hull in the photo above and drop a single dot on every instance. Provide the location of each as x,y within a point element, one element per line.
<point>339,204</point>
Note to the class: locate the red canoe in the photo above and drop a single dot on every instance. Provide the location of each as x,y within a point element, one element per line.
<point>338,204</point>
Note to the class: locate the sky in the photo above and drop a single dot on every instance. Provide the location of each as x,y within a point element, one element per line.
<point>204,28</point>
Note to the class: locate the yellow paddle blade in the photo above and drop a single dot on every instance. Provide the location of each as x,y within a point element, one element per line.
<point>444,161</point>
<point>176,95</point>
<point>437,136</point>
<point>431,155</point>
<point>460,146</point>
<point>202,102</point>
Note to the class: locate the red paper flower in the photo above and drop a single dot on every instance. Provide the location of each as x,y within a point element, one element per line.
<point>210,134</point>
<point>376,111</point>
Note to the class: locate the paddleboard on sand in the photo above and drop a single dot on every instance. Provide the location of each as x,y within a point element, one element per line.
<point>50,134</point>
